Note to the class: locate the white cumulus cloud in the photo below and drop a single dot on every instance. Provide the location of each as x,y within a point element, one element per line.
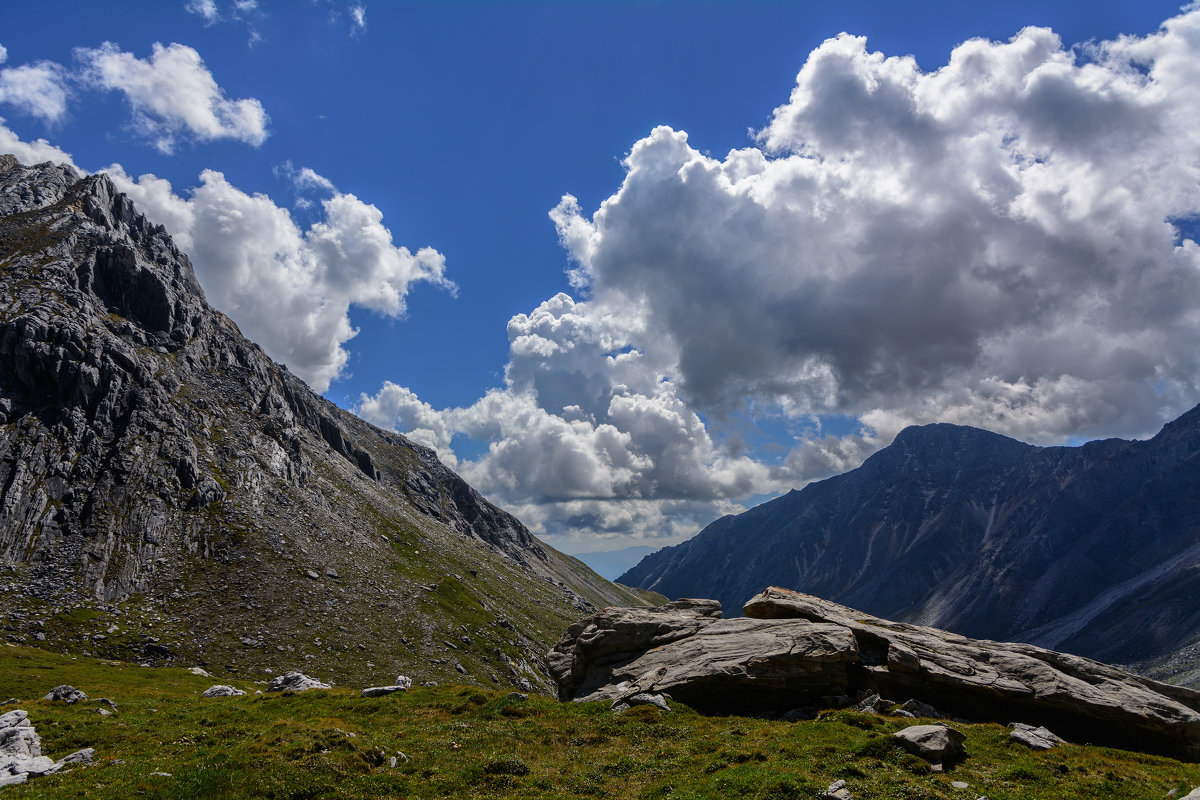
<point>1007,241</point>
<point>289,289</point>
<point>39,89</point>
<point>206,9</point>
<point>35,152</point>
<point>173,95</point>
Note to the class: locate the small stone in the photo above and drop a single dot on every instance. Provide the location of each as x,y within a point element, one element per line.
<point>221,690</point>
<point>836,791</point>
<point>294,682</point>
<point>641,699</point>
<point>104,712</point>
<point>67,693</point>
<point>1033,738</point>
<point>960,784</point>
<point>460,668</point>
<point>312,574</point>
<point>403,681</point>
<point>916,708</point>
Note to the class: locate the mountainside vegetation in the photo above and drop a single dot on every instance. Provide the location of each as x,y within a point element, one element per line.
<point>166,741</point>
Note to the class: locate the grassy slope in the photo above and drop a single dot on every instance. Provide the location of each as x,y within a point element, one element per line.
<point>468,742</point>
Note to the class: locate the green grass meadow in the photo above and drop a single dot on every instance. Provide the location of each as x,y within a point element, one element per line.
<point>456,741</point>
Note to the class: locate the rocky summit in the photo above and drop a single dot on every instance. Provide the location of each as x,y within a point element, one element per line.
<point>1091,550</point>
<point>169,494</point>
<point>792,654</point>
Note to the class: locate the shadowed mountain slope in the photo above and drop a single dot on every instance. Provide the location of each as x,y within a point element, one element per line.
<point>168,491</point>
<point>1094,550</point>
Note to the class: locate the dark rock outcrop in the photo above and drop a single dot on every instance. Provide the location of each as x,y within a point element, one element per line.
<point>160,469</point>
<point>1091,550</point>
<point>793,650</point>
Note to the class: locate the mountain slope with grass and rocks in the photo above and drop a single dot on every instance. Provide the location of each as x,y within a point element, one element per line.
<point>170,495</point>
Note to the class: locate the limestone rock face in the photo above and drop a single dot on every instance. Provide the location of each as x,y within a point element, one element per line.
<point>792,650</point>
<point>21,751</point>
<point>151,455</point>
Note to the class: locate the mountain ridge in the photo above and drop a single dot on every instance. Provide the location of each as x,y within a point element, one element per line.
<point>1091,549</point>
<point>170,493</point>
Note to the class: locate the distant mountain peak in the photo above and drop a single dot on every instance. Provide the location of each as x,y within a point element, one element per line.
<point>1086,549</point>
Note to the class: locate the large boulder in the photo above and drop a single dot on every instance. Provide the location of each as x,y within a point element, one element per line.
<point>793,650</point>
<point>937,744</point>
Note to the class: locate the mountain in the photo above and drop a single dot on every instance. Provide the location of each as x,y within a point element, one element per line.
<point>1094,550</point>
<point>168,493</point>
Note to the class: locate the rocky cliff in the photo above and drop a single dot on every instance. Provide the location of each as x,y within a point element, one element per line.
<point>1094,550</point>
<point>168,492</point>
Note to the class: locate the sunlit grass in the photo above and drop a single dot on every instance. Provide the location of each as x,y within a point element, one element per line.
<point>454,741</point>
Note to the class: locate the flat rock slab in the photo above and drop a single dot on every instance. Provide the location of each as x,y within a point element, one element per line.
<point>1038,738</point>
<point>380,691</point>
<point>295,682</point>
<point>793,650</point>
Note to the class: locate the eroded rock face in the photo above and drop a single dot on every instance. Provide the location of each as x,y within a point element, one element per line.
<point>792,649</point>
<point>151,456</point>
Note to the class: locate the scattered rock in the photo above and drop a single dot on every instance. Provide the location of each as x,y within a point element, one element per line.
<point>937,744</point>
<point>836,791</point>
<point>641,699</point>
<point>221,690</point>
<point>959,785</point>
<point>1034,738</point>
<point>199,671</point>
<point>67,693</point>
<point>518,696</point>
<point>916,708</point>
<point>460,668</point>
<point>380,691</point>
<point>874,704</point>
<point>403,681</point>
<point>294,682</point>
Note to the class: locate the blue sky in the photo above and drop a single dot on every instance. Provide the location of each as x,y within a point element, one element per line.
<point>623,377</point>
